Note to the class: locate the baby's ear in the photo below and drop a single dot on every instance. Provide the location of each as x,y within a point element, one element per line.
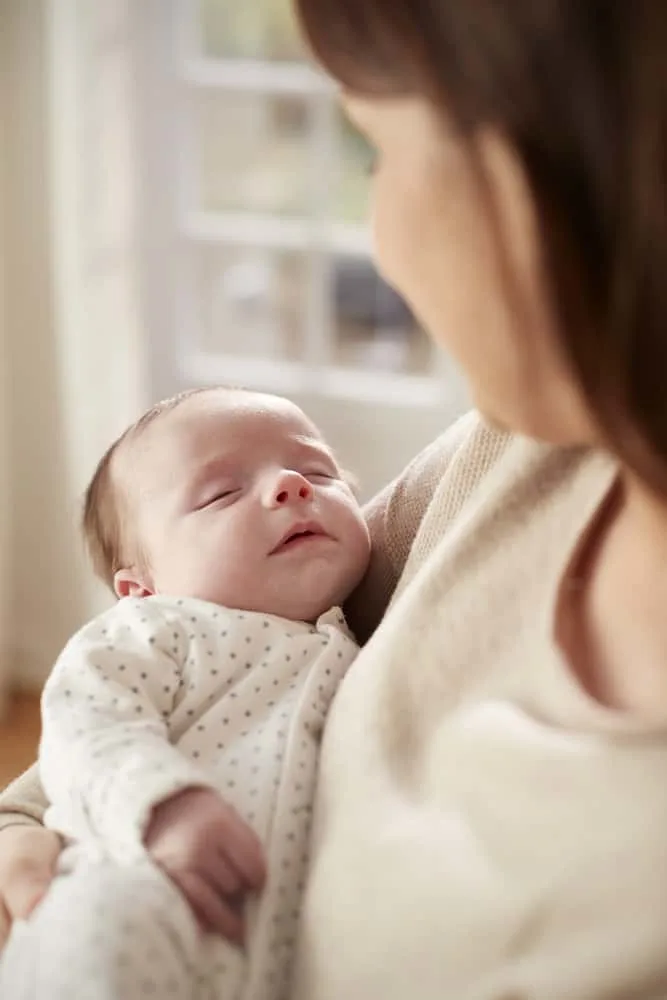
<point>131,583</point>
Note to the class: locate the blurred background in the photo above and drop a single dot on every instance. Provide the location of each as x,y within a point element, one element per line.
<point>181,203</point>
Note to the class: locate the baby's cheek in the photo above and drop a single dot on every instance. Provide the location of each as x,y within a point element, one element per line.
<point>173,570</point>
<point>241,560</point>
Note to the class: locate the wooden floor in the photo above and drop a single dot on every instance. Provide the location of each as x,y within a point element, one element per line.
<point>19,735</point>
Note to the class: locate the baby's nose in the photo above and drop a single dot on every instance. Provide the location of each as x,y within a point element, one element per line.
<point>290,487</point>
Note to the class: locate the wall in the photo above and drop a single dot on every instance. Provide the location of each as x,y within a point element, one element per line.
<point>43,599</point>
<point>71,339</point>
<point>5,511</point>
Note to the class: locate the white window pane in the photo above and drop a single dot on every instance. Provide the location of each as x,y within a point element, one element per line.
<point>249,29</point>
<point>251,302</point>
<point>253,153</point>
<point>374,330</point>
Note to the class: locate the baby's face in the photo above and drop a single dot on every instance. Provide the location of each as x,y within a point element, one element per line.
<point>237,500</point>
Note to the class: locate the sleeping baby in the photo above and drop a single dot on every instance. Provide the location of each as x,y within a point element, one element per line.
<point>181,728</point>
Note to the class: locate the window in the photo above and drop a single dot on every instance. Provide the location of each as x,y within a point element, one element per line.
<point>266,187</point>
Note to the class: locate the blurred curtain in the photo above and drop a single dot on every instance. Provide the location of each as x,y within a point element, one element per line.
<point>69,327</point>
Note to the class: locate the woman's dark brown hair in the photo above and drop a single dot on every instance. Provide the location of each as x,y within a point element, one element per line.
<point>579,88</point>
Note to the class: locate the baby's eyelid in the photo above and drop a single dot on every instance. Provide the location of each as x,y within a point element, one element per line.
<point>221,494</point>
<point>322,473</point>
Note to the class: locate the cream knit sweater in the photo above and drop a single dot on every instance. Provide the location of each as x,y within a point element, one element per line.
<point>484,829</point>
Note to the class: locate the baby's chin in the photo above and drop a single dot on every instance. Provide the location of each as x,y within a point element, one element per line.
<point>310,604</point>
<point>307,610</point>
<point>306,607</point>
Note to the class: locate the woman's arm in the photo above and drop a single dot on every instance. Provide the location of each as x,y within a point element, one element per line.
<point>28,856</point>
<point>23,801</point>
<point>393,518</point>
<point>28,851</point>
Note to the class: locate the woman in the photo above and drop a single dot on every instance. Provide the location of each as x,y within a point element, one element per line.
<point>493,796</point>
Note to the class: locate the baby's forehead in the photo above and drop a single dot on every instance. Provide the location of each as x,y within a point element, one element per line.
<point>240,414</point>
<point>225,420</point>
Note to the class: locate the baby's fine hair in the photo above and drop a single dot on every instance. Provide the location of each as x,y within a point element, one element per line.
<point>105,537</point>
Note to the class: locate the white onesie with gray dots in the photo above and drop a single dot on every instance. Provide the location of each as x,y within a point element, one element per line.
<point>156,695</point>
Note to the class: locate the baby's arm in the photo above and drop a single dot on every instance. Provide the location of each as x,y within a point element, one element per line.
<point>110,771</point>
<point>105,757</point>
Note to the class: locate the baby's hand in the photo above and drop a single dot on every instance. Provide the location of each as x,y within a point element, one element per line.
<point>210,853</point>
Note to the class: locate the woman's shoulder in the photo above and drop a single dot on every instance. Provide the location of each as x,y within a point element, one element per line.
<point>471,461</point>
<point>489,475</point>
<point>472,453</point>
<point>470,436</point>
<point>451,466</point>
<point>396,514</point>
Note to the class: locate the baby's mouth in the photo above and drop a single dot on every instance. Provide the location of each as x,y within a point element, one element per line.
<point>299,535</point>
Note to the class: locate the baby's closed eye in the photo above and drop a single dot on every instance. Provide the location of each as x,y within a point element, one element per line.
<point>317,474</point>
<point>219,497</point>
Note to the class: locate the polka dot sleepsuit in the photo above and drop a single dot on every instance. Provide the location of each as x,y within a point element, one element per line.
<point>157,695</point>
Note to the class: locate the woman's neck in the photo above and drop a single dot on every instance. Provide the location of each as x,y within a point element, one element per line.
<point>646,514</point>
<point>617,633</point>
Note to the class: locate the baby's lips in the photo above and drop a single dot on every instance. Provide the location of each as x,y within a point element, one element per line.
<point>300,528</point>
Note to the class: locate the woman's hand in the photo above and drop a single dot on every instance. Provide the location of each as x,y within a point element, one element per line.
<point>28,856</point>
